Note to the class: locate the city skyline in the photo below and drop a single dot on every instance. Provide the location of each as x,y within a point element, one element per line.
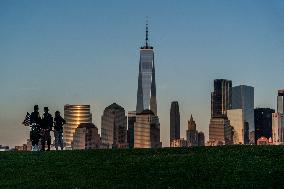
<point>53,59</point>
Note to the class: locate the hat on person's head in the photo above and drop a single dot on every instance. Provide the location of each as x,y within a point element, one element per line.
<point>46,109</point>
<point>35,107</point>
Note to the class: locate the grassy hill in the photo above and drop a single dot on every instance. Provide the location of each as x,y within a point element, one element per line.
<point>198,167</point>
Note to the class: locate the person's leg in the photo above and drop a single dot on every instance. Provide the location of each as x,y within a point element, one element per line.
<point>43,139</point>
<point>48,140</point>
<point>61,140</point>
<point>56,139</point>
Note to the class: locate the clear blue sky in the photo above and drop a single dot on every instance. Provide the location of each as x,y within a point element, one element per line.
<point>87,52</point>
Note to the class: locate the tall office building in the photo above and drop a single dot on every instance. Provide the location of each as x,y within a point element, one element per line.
<point>114,127</point>
<point>243,98</point>
<point>221,97</point>
<point>74,115</point>
<point>130,131</point>
<point>86,136</point>
<point>146,93</point>
<point>220,131</point>
<point>238,125</point>
<point>147,130</point>
<point>263,123</point>
<point>174,121</point>
<point>191,133</point>
<point>278,120</point>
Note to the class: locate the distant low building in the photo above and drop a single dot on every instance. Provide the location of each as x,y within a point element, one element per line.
<point>86,137</point>
<point>262,141</point>
<point>4,148</point>
<point>176,143</point>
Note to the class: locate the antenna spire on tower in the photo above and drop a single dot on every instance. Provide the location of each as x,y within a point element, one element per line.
<point>146,32</point>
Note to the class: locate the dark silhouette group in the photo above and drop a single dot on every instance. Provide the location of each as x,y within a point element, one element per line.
<point>41,128</point>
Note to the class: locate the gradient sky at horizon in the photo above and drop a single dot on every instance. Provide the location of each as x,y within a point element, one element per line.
<point>87,52</point>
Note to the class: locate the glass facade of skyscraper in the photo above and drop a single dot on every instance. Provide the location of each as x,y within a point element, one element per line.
<point>146,93</point>
<point>243,98</point>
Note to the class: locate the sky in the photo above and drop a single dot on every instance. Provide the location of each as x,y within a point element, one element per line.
<point>61,52</point>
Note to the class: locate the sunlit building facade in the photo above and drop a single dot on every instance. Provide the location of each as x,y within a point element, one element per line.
<point>243,98</point>
<point>146,92</point>
<point>114,127</point>
<point>147,130</point>
<point>74,115</point>
<point>178,143</point>
<point>236,119</point>
<point>278,120</point>
<point>86,136</point>
<point>220,132</point>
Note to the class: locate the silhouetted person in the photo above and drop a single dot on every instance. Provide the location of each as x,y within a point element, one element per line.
<point>58,130</point>
<point>35,121</point>
<point>46,127</point>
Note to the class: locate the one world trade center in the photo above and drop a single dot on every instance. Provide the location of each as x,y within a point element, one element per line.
<point>146,93</point>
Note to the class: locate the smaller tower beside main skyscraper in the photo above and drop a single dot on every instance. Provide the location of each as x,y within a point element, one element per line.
<point>146,92</point>
<point>174,121</point>
<point>74,115</point>
<point>114,127</point>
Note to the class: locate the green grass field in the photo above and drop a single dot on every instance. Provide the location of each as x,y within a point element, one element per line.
<point>199,167</point>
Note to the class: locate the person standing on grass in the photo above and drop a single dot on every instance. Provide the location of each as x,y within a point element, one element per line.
<point>58,130</point>
<point>46,126</point>
<point>35,122</point>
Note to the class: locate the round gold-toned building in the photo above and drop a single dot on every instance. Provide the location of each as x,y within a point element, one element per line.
<point>74,115</point>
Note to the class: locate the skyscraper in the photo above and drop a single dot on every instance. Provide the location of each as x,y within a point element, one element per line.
<point>263,123</point>
<point>146,93</point>
<point>191,133</point>
<point>147,130</point>
<point>114,127</point>
<point>221,97</point>
<point>174,121</point>
<point>74,115</point>
<point>278,120</point>
<point>243,98</point>
<point>221,101</point>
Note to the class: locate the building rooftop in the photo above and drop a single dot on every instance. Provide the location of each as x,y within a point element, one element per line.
<point>146,112</point>
<point>115,106</point>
